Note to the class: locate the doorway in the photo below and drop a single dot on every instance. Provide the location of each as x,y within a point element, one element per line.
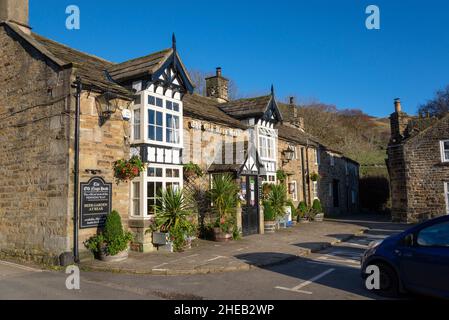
<point>250,204</point>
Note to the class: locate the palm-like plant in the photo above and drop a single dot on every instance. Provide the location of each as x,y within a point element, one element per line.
<point>173,210</point>
<point>278,199</point>
<point>224,197</point>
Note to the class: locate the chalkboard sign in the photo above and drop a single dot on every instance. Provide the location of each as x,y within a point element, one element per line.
<point>96,203</point>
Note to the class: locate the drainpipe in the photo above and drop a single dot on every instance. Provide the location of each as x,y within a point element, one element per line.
<point>308,173</point>
<point>77,169</point>
<point>303,165</point>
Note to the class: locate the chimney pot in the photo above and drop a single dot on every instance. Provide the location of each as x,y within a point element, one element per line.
<point>218,71</point>
<point>397,105</point>
<point>292,100</point>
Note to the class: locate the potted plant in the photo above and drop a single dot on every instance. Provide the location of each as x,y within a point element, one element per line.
<point>111,244</point>
<point>269,218</point>
<point>224,198</point>
<point>127,170</point>
<point>302,211</point>
<point>318,210</point>
<point>278,199</point>
<point>173,226</point>
<point>192,170</point>
<point>281,176</point>
<point>293,211</point>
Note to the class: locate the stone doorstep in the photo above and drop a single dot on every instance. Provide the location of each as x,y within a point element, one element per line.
<point>208,269</point>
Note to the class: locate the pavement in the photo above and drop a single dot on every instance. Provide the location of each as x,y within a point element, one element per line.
<point>329,274</point>
<point>257,251</point>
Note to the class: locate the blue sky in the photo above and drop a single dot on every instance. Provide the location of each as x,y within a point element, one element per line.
<point>315,50</point>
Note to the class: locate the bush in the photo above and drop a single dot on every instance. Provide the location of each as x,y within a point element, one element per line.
<point>268,212</point>
<point>302,209</point>
<point>112,240</point>
<point>278,199</point>
<point>317,206</point>
<point>113,227</point>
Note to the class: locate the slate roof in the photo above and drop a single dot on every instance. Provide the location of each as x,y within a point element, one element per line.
<point>296,135</point>
<point>245,108</point>
<point>208,109</point>
<point>90,68</point>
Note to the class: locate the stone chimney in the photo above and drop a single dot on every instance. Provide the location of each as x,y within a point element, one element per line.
<point>398,121</point>
<point>15,11</point>
<point>217,87</point>
<point>295,121</point>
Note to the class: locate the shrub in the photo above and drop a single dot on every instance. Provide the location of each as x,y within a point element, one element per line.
<point>112,240</point>
<point>278,199</point>
<point>317,206</point>
<point>281,175</point>
<point>268,212</point>
<point>302,209</point>
<point>224,197</point>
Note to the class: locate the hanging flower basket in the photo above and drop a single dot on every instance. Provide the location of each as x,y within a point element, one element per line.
<point>127,170</point>
<point>314,176</point>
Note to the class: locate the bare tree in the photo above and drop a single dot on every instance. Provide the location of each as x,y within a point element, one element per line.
<point>438,106</point>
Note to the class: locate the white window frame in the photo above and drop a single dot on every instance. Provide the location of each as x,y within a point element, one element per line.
<point>164,112</point>
<point>294,194</point>
<point>139,198</point>
<point>442,150</point>
<point>315,190</point>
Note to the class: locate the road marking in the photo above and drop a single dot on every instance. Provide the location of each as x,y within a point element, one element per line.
<point>18,266</point>
<point>216,258</point>
<point>160,265</point>
<point>325,258</point>
<point>329,263</point>
<point>306,283</point>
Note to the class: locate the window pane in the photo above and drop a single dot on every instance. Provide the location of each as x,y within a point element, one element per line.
<point>169,173</point>
<point>176,107</point>
<point>150,190</point>
<point>137,99</point>
<point>159,134</point>
<point>159,172</point>
<point>159,102</point>
<point>151,100</point>
<point>151,172</point>
<point>436,236</point>
<point>151,116</point>
<point>159,118</point>
<point>151,135</point>
<point>137,124</point>
<point>176,173</point>
<point>136,207</point>
<point>169,105</point>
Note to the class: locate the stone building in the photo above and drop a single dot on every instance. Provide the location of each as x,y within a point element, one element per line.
<point>144,107</point>
<point>418,165</point>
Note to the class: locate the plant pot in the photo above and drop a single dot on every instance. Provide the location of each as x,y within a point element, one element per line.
<point>160,238</point>
<point>304,220</point>
<point>121,256</point>
<point>221,236</point>
<point>319,217</point>
<point>270,226</point>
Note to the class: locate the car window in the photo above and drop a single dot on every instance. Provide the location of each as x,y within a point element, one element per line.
<point>435,236</point>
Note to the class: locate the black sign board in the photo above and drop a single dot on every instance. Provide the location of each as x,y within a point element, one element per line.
<point>96,203</point>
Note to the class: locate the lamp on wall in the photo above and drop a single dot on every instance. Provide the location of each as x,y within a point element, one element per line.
<point>107,105</point>
<point>289,154</point>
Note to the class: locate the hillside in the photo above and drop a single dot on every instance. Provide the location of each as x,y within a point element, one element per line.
<point>359,136</point>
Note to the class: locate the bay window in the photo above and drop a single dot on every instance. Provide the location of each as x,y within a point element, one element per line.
<point>172,128</point>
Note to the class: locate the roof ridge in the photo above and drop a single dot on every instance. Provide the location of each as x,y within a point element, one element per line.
<point>142,57</point>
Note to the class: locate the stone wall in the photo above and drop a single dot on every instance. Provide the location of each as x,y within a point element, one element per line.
<point>100,147</point>
<point>348,181</point>
<point>419,195</point>
<point>295,170</point>
<point>34,131</point>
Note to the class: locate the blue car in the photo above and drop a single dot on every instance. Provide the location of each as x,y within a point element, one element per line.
<point>416,260</point>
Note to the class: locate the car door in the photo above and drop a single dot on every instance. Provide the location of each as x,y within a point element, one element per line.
<point>425,264</point>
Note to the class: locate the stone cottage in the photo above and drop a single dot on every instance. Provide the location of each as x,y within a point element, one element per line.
<point>67,116</point>
<point>418,165</point>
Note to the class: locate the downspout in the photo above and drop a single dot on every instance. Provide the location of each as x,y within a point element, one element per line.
<point>77,169</point>
<point>308,172</point>
<point>303,175</point>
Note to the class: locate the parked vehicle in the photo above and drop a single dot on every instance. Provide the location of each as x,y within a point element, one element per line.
<point>416,260</point>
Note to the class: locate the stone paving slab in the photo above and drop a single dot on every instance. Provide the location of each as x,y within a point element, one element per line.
<point>255,251</point>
